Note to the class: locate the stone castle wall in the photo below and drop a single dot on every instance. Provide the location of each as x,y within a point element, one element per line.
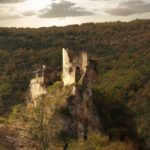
<point>37,88</point>
<point>74,67</point>
<point>37,85</point>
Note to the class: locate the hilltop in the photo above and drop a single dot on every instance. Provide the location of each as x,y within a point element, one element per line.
<point>123,52</point>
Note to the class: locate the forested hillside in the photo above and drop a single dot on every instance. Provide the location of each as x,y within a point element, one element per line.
<point>122,49</point>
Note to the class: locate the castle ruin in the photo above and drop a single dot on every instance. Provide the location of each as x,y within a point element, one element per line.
<point>78,73</point>
<point>77,69</point>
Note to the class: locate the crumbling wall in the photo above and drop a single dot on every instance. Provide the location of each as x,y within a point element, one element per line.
<point>73,66</point>
<point>37,87</point>
<point>68,69</point>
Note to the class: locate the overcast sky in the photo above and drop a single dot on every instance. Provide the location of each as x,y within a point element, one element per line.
<point>39,13</point>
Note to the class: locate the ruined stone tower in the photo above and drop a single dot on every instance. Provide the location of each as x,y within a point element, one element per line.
<point>74,67</point>
<point>37,87</point>
<point>78,69</point>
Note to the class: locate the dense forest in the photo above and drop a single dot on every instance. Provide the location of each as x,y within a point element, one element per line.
<point>123,52</point>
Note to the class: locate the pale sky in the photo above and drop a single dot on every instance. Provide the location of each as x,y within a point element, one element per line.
<point>44,13</point>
